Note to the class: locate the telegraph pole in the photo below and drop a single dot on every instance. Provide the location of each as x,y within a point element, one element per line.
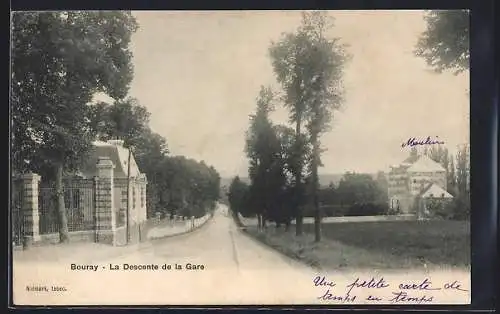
<point>128,195</point>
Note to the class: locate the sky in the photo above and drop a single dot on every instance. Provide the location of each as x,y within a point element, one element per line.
<point>199,73</point>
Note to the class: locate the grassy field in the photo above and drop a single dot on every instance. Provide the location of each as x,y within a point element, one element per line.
<point>437,242</point>
<point>377,245</point>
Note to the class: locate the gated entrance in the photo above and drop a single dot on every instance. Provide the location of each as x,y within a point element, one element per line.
<point>96,209</point>
<point>79,201</point>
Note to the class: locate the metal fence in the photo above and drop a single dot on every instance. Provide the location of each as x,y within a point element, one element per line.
<point>79,196</point>
<point>79,201</point>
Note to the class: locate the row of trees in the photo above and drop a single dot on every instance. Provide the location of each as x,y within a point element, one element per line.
<point>284,160</point>
<point>176,185</point>
<point>308,65</point>
<point>60,60</point>
<point>344,199</point>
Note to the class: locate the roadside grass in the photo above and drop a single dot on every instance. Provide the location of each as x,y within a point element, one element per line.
<point>438,242</point>
<point>388,245</point>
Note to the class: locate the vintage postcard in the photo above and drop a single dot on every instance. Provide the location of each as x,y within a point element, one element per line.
<point>240,158</point>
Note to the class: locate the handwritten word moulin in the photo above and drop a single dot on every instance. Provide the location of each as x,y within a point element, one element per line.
<point>415,142</point>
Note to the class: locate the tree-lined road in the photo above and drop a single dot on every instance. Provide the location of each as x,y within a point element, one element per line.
<point>237,269</point>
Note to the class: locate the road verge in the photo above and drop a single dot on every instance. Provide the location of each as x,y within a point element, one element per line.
<point>287,249</point>
<point>328,254</point>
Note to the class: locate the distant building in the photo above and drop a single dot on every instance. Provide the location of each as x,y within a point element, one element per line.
<point>416,177</point>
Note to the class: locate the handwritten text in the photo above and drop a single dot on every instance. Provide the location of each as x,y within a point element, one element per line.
<point>415,142</point>
<point>380,290</point>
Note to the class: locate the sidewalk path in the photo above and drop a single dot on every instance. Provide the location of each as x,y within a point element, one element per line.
<point>82,252</point>
<point>169,230</point>
<point>86,252</point>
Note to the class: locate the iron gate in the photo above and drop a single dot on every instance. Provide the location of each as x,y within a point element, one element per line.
<point>79,201</point>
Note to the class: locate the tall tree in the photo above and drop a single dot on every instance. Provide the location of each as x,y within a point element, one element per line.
<point>323,84</point>
<point>445,161</point>
<point>150,152</point>
<point>309,67</point>
<point>440,155</point>
<point>462,171</point>
<point>284,54</point>
<point>263,149</point>
<point>451,177</point>
<point>237,195</point>
<point>285,166</point>
<point>59,61</point>
<point>462,199</point>
<point>445,43</point>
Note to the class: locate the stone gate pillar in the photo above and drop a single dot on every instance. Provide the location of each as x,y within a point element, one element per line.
<point>105,213</point>
<point>29,208</point>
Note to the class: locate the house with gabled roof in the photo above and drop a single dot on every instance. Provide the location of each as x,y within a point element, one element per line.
<point>133,182</point>
<point>417,177</point>
<point>118,155</point>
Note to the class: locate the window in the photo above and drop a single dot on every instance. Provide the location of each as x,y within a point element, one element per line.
<point>142,197</point>
<point>414,180</point>
<point>133,197</point>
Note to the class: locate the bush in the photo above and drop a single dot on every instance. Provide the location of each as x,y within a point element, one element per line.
<point>334,210</point>
<point>456,209</point>
<point>393,211</point>
<point>362,209</point>
<point>439,208</point>
<point>459,209</point>
<point>368,209</point>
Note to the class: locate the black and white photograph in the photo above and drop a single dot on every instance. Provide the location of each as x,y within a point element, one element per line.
<point>240,157</point>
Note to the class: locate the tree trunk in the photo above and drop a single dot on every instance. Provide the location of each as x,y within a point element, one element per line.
<point>314,190</point>
<point>61,208</point>
<point>298,183</point>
